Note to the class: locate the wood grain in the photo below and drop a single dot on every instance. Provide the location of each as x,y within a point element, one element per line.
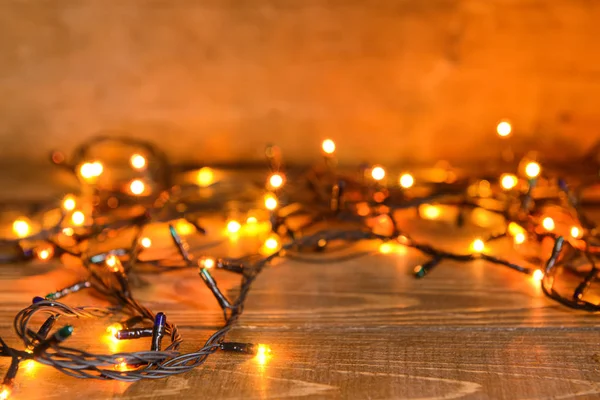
<point>359,329</point>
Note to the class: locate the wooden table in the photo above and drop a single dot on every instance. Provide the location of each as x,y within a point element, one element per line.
<point>362,329</point>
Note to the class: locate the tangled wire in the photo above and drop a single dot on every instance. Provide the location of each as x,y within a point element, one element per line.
<point>316,216</point>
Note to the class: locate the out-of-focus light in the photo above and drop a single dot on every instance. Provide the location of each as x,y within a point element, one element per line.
<point>575,232</point>
<point>68,231</point>
<point>78,218</point>
<point>532,169</point>
<point>478,245</point>
<point>328,146</point>
<point>69,203</point>
<point>514,229</point>
<point>378,173</point>
<point>430,212</point>
<point>146,242</point>
<point>276,180</point>
<point>28,366</point>
<point>538,275</point>
<point>91,170</point>
<point>233,226</point>
<point>4,392</point>
<point>137,187</point>
<point>183,227</point>
<point>206,262</point>
<point>385,248</point>
<point>21,227</point>
<point>205,177</point>
<point>45,253</point>
<point>251,220</point>
<point>263,354</point>
<point>113,263</point>
<point>272,243</point>
<point>520,238</point>
<point>508,181</point>
<point>113,329</point>
<point>484,188</point>
<point>270,202</point>
<point>548,224</point>
<point>504,128</point>
<point>406,180</point>
<point>138,161</point>
<point>121,365</point>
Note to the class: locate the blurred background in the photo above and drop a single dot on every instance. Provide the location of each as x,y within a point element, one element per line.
<point>392,82</point>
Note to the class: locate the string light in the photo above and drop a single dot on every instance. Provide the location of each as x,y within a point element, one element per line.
<point>90,170</point>
<point>146,242</point>
<point>137,187</point>
<point>138,161</point>
<point>21,227</point>
<point>378,173</point>
<point>113,263</point>
<point>385,248</point>
<point>407,180</point>
<point>206,177</point>
<point>45,253</point>
<point>263,354</point>
<point>68,231</point>
<point>206,262</point>
<point>276,180</point>
<point>548,224</point>
<point>575,232</point>
<point>69,203</point>
<point>270,202</point>
<point>233,226</point>
<point>328,146</point>
<point>538,275</point>
<point>508,181</point>
<point>78,218</point>
<point>113,329</point>
<point>503,128</point>
<point>5,392</point>
<point>251,220</point>
<point>478,245</point>
<point>532,169</point>
<point>520,238</point>
<point>429,211</point>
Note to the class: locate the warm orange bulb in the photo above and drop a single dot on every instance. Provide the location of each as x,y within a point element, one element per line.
<point>137,187</point>
<point>78,218</point>
<point>538,275</point>
<point>520,238</point>
<point>114,264</point>
<point>4,392</point>
<point>532,169</point>
<point>378,173</point>
<point>68,231</point>
<point>406,180</point>
<point>21,227</point>
<point>91,170</point>
<point>263,354</point>
<point>233,226</point>
<point>575,232</point>
<point>251,220</point>
<point>328,146</point>
<point>478,245</point>
<point>113,329</point>
<point>276,180</point>
<point>504,129</point>
<point>207,262</point>
<point>548,224</point>
<point>146,242</point>
<point>45,253</point>
<point>69,203</point>
<point>205,177</point>
<point>270,202</point>
<point>431,212</point>
<point>138,161</point>
<point>271,243</point>
<point>508,181</point>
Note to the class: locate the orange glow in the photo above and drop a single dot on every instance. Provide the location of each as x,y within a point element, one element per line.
<point>328,146</point>
<point>378,173</point>
<point>121,365</point>
<point>146,242</point>
<point>138,161</point>
<point>548,224</point>
<point>113,329</point>
<point>538,275</point>
<point>28,366</point>
<point>504,129</point>
<point>114,264</point>
<point>270,202</point>
<point>520,238</point>
<point>430,212</point>
<point>407,180</point>
<point>45,253</point>
<point>508,181</point>
<point>251,220</point>
<point>263,354</point>
<point>78,218</point>
<point>575,232</point>
<point>21,227</point>
<point>271,245</point>
<point>4,392</point>
<point>69,203</point>
<point>478,245</point>
<point>207,262</point>
<point>514,229</point>
<point>233,226</point>
<point>276,180</point>
<point>137,187</point>
<point>532,169</point>
<point>205,177</point>
<point>183,227</point>
<point>68,231</point>
<point>385,248</point>
<point>90,170</point>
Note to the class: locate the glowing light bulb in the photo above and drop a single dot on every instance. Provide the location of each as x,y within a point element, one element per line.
<point>146,242</point>
<point>548,224</point>
<point>504,128</point>
<point>251,220</point>
<point>385,248</point>
<point>431,212</point>
<point>272,243</point>
<point>407,180</point>
<point>91,170</point>
<point>4,392</point>
<point>68,231</point>
<point>276,180</point>
<point>113,329</point>
<point>207,262</point>
<point>121,364</point>
<point>21,227</point>
<point>78,218</point>
<point>270,202</point>
<point>378,173</point>
<point>45,253</point>
<point>69,203</point>
<point>538,275</point>
<point>233,226</point>
<point>575,232</point>
<point>137,187</point>
<point>478,245</point>
<point>328,146</point>
<point>520,238</point>
<point>183,227</point>
<point>114,264</point>
<point>137,161</point>
<point>514,229</point>
<point>532,169</point>
<point>508,181</point>
<point>28,366</point>
<point>263,354</point>
<point>205,177</point>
